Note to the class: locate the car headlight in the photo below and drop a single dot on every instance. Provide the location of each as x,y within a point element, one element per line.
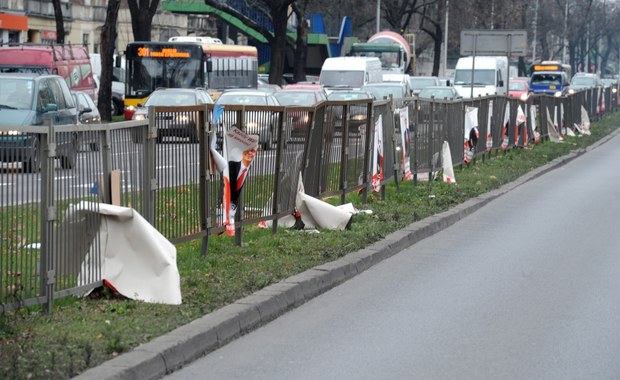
<point>571,91</point>
<point>524,97</point>
<point>139,116</point>
<point>131,108</point>
<point>10,133</point>
<point>614,90</point>
<point>182,119</point>
<point>558,94</point>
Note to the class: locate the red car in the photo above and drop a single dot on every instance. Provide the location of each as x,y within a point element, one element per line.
<point>518,88</point>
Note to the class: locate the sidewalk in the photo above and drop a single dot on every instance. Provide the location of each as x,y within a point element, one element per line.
<point>187,343</point>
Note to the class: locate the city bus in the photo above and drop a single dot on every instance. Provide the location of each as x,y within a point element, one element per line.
<point>550,77</point>
<point>186,64</point>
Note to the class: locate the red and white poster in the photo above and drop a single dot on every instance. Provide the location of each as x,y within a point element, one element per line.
<point>535,130</point>
<point>471,133</point>
<point>377,156</point>
<point>505,125</point>
<point>490,127</point>
<point>405,135</point>
<point>239,151</point>
<point>521,123</point>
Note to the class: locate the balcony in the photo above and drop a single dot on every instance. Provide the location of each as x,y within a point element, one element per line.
<point>46,9</point>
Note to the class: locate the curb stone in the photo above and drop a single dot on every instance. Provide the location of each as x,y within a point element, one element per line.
<point>187,343</point>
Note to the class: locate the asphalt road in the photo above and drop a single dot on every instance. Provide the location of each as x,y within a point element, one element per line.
<point>527,287</point>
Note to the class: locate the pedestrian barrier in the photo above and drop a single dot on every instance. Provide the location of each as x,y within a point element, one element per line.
<point>162,168</point>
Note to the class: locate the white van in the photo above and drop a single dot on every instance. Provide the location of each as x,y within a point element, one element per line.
<point>490,76</point>
<point>349,73</point>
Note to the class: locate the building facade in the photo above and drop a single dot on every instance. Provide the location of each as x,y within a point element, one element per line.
<point>33,21</point>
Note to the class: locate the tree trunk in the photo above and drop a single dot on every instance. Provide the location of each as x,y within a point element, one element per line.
<point>142,18</point>
<point>60,25</point>
<point>301,49</point>
<point>108,40</point>
<point>278,45</point>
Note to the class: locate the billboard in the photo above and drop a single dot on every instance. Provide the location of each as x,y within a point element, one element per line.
<point>494,42</point>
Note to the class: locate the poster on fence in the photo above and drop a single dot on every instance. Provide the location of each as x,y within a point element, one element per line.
<point>471,133</point>
<point>405,135</point>
<point>239,151</point>
<point>505,125</point>
<point>554,135</point>
<point>377,155</point>
<point>535,129</point>
<point>521,124</point>
<point>490,127</point>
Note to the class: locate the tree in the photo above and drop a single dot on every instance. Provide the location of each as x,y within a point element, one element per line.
<point>142,14</point>
<point>60,25</point>
<point>277,12</point>
<point>108,41</point>
<point>431,23</point>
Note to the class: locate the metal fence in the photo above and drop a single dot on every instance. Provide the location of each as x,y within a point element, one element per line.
<point>54,178</point>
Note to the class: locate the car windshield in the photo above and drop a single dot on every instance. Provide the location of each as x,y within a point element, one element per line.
<point>417,83</point>
<point>242,99</point>
<point>481,77</point>
<point>337,95</point>
<point>438,93</point>
<point>583,81</point>
<point>344,78</point>
<point>16,93</point>
<point>289,98</point>
<point>168,98</point>
<point>380,92</point>
<point>546,79</point>
<point>516,86</point>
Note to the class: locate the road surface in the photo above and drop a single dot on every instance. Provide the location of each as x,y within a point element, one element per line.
<point>527,287</point>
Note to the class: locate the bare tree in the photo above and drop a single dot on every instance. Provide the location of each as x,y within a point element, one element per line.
<point>431,23</point>
<point>60,25</point>
<point>108,41</point>
<point>142,13</point>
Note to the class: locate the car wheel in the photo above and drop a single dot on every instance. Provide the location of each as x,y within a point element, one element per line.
<point>32,163</point>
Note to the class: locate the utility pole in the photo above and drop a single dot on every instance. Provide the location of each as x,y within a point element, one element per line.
<point>378,16</point>
<point>445,41</point>
<point>565,41</point>
<point>535,30</point>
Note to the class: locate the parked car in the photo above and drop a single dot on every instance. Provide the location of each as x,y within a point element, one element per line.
<point>87,110</point>
<point>379,91</point>
<point>358,113</point>
<point>32,99</point>
<point>257,122</point>
<point>582,81</point>
<point>181,124</point>
<point>518,88</point>
<point>417,83</point>
<point>439,93</point>
<point>87,114</point>
<point>299,96</point>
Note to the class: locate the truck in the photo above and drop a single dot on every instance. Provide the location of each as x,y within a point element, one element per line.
<point>490,76</point>
<point>69,61</point>
<point>392,49</point>
<point>349,73</point>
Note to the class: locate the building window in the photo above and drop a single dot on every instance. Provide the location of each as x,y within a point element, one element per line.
<point>85,40</point>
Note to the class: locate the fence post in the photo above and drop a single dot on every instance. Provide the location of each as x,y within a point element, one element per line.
<point>47,156</point>
<point>278,168</point>
<point>204,143</point>
<point>149,185</point>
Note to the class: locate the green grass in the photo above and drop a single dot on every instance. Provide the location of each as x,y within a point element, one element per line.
<point>83,332</point>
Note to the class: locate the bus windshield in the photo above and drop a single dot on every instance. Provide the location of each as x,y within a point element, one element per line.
<point>151,65</point>
<point>149,74</point>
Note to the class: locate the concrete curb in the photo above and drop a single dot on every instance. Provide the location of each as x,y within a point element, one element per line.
<point>187,343</point>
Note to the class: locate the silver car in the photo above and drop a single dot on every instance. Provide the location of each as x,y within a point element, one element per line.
<point>261,122</point>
